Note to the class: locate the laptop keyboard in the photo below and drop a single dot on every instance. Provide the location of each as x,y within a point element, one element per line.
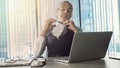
<point>58,58</point>
<point>62,58</point>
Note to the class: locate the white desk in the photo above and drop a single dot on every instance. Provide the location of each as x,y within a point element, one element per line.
<point>105,63</point>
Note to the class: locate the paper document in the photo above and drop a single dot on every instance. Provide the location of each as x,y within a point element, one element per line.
<point>58,30</point>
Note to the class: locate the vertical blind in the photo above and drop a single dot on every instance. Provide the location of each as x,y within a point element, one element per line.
<point>102,15</point>
<point>17,28</point>
<point>22,27</point>
<point>3,35</point>
<point>21,21</point>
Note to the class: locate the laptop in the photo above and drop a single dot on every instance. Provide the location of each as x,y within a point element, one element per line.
<point>87,46</point>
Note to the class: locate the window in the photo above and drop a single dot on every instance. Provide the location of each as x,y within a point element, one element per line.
<point>22,20</point>
<point>102,15</point>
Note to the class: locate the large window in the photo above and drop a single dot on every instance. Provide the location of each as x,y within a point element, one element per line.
<point>102,15</point>
<point>21,21</point>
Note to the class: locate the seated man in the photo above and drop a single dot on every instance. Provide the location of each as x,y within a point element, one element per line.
<point>61,46</point>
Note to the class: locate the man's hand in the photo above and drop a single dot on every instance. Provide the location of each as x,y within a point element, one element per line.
<point>71,25</point>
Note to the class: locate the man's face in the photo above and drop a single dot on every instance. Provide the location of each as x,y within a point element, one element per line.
<point>64,11</point>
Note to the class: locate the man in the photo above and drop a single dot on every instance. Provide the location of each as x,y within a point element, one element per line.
<point>62,46</point>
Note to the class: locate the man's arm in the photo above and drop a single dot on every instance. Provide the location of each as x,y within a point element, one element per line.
<point>46,26</point>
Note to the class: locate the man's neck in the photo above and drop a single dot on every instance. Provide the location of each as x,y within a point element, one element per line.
<point>61,21</point>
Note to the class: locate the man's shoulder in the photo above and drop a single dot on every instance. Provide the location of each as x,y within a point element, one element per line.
<point>50,21</point>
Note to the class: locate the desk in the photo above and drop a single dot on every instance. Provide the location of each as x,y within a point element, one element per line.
<point>103,63</point>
